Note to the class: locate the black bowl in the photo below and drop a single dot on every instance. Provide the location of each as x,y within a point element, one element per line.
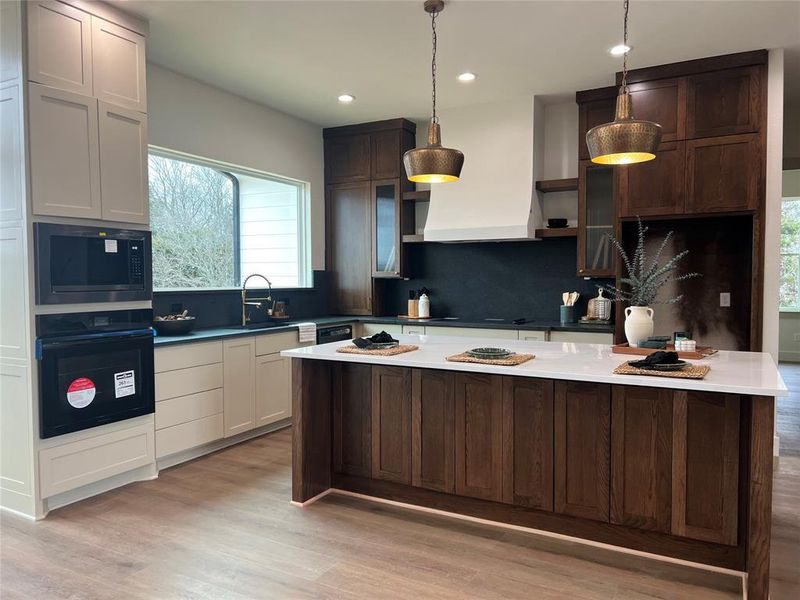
<point>176,327</point>
<point>556,223</point>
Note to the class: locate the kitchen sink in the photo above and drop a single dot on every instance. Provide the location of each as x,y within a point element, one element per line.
<point>265,325</point>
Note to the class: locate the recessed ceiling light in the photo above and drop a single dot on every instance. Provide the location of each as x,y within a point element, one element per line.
<point>346,98</point>
<point>467,76</point>
<point>620,50</point>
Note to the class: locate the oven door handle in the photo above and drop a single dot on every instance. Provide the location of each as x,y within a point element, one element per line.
<point>69,341</point>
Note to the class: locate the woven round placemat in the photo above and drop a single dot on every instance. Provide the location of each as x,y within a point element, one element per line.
<point>690,372</point>
<point>514,359</point>
<point>378,351</point>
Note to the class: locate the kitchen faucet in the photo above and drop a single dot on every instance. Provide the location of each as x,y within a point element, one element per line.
<point>266,303</point>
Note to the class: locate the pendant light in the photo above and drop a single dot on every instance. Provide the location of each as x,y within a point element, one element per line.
<point>625,140</point>
<point>433,163</point>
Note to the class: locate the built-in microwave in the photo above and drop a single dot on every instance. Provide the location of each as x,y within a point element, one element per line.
<point>76,264</point>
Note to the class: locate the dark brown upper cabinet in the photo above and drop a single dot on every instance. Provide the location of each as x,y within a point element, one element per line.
<point>352,419</point>
<point>641,457</point>
<point>705,469</point>
<point>724,102</point>
<point>528,442</point>
<point>391,424</point>
<point>664,102</point>
<point>386,154</point>
<point>723,174</point>
<point>433,430</point>
<point>479,436</point>
<point>597,214</point>
<point>349,245</point>
<point>592,111</point>
<point>656,187</point>
<point>582,423</point>
<point>347,158</point>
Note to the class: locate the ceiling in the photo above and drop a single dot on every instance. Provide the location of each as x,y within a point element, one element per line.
<point>298,56</point>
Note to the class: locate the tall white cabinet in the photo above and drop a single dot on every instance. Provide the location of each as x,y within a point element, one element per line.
<point>73,144</point>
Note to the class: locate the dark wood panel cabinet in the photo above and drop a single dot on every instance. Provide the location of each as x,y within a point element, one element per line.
<point>723,174</point>
<point>582,422</point>
<point>479,436</point>
<point>528,442</point>
<point>386,154</point>
<point>347,158</point>
<point>593,112</point>
<point>352,419</point>
<point>656,187</point>
<point>705,466</point>
<point>662,101</point>
<point>641,457</point>
<point>349,244</point>
<point>433,430</point>
<point>391,424</point>
<point>725,102</point>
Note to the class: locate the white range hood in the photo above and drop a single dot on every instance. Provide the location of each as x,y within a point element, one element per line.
<point>495,199</point>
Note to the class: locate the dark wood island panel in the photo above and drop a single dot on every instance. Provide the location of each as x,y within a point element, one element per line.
<point>682,474</point>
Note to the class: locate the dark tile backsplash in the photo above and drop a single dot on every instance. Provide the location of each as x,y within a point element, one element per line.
<point>505,280</point>
<point>223,308</point>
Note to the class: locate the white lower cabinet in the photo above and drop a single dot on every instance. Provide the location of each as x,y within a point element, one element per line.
<point>368,329</point>
<point>532,336</point>
<point>413,330</point>
<point>239,357</point>
<point>588,337</point>
<point>504,334</point>
<point>273,389</point>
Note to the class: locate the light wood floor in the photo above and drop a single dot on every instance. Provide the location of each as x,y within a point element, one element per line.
<point>222,527</point>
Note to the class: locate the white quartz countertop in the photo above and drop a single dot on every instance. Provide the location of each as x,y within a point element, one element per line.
<point>751,373</point>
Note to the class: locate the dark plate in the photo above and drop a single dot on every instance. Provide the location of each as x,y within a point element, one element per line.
<point>681,364</point>
<point>489,353</point>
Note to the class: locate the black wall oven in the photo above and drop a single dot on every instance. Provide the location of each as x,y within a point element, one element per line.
<point>91,264</point>
<point>94,368</point>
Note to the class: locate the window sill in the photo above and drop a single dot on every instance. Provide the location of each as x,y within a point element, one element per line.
<point>232,290</point>
<point>790,311</point>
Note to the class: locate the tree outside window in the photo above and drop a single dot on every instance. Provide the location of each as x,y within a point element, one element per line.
<point>790,255</point>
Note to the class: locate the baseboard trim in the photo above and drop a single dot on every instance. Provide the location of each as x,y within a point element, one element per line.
<point>311,500</point>
<point>540,532</point>
<point>193,453</point>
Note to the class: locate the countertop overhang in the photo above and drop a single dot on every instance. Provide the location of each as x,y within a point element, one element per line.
<point>750,373</point>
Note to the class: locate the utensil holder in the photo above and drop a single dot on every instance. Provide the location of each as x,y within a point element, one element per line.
<point>567,314</point>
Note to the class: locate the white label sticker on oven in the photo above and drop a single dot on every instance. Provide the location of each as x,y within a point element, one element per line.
<point>80,392</point>
<point>124,384</point>
<point>111,246</point>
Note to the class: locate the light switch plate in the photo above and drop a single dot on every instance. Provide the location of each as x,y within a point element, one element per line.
<point>725,299</point>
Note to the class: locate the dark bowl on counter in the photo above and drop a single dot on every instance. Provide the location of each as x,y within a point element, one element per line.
<point>556,223</point>
<point>175,326</point>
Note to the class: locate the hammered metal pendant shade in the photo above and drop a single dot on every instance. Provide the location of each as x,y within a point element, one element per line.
<point>625,140</point>
<point>433,163</point>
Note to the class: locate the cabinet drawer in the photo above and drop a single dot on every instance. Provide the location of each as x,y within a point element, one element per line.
<point>187,355</point>
<point>588,337</point>
<point>188,435</point>
<point>373,328</point>
<point>183,409</point>
<point>275,342</point>
<point>533,336</point>
<point>188,381</point>
<point>72,465</point>
<point>504,334</point>
<point>413,330</point>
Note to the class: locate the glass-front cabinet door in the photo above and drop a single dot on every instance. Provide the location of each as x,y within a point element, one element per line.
<point>386,239</point>
<point>596,218</point>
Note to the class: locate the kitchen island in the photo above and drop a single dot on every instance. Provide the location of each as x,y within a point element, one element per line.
<point>676,468</point>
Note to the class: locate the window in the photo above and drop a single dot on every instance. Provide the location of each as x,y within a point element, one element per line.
<point>214,225</point>
<point>790,254</point>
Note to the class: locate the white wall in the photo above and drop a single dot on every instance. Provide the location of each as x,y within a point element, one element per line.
<point>560,140</point>
<point>772,222</point>
<point>195,118</point>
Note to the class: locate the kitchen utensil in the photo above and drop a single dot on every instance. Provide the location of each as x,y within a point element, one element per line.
<point>573,298</point>
<point>567,314</point>
<point>599,307</point>
<point>565,298</point>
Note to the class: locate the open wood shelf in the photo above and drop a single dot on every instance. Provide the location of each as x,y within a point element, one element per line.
<point>557,232</point>
<point>417,196</point>
<point>557,185</point>
<point>413,238</point>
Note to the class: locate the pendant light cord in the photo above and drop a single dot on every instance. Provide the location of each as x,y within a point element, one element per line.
<point>434,118</point>
<point>625,43</point>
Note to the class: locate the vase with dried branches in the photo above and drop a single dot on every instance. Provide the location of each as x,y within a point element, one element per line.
<point>645,279</point>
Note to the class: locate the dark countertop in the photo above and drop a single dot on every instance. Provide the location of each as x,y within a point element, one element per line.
<point>202,335</point>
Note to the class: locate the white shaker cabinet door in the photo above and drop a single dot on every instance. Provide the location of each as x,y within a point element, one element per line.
<point>238,396</point>
<point>123,164</point>
<point>64,152</point>
<point>273,392</point>
<point>12,192</point>
<point>118,63</point>
<point>59,46</point>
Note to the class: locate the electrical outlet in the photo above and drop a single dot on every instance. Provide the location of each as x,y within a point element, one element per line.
<point>725,299</point>
<point>797,337</point>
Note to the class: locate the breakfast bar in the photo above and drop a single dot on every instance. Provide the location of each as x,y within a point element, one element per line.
<point>673,467</point>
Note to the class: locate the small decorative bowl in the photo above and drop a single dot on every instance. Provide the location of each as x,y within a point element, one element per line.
<point>556,223</point>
